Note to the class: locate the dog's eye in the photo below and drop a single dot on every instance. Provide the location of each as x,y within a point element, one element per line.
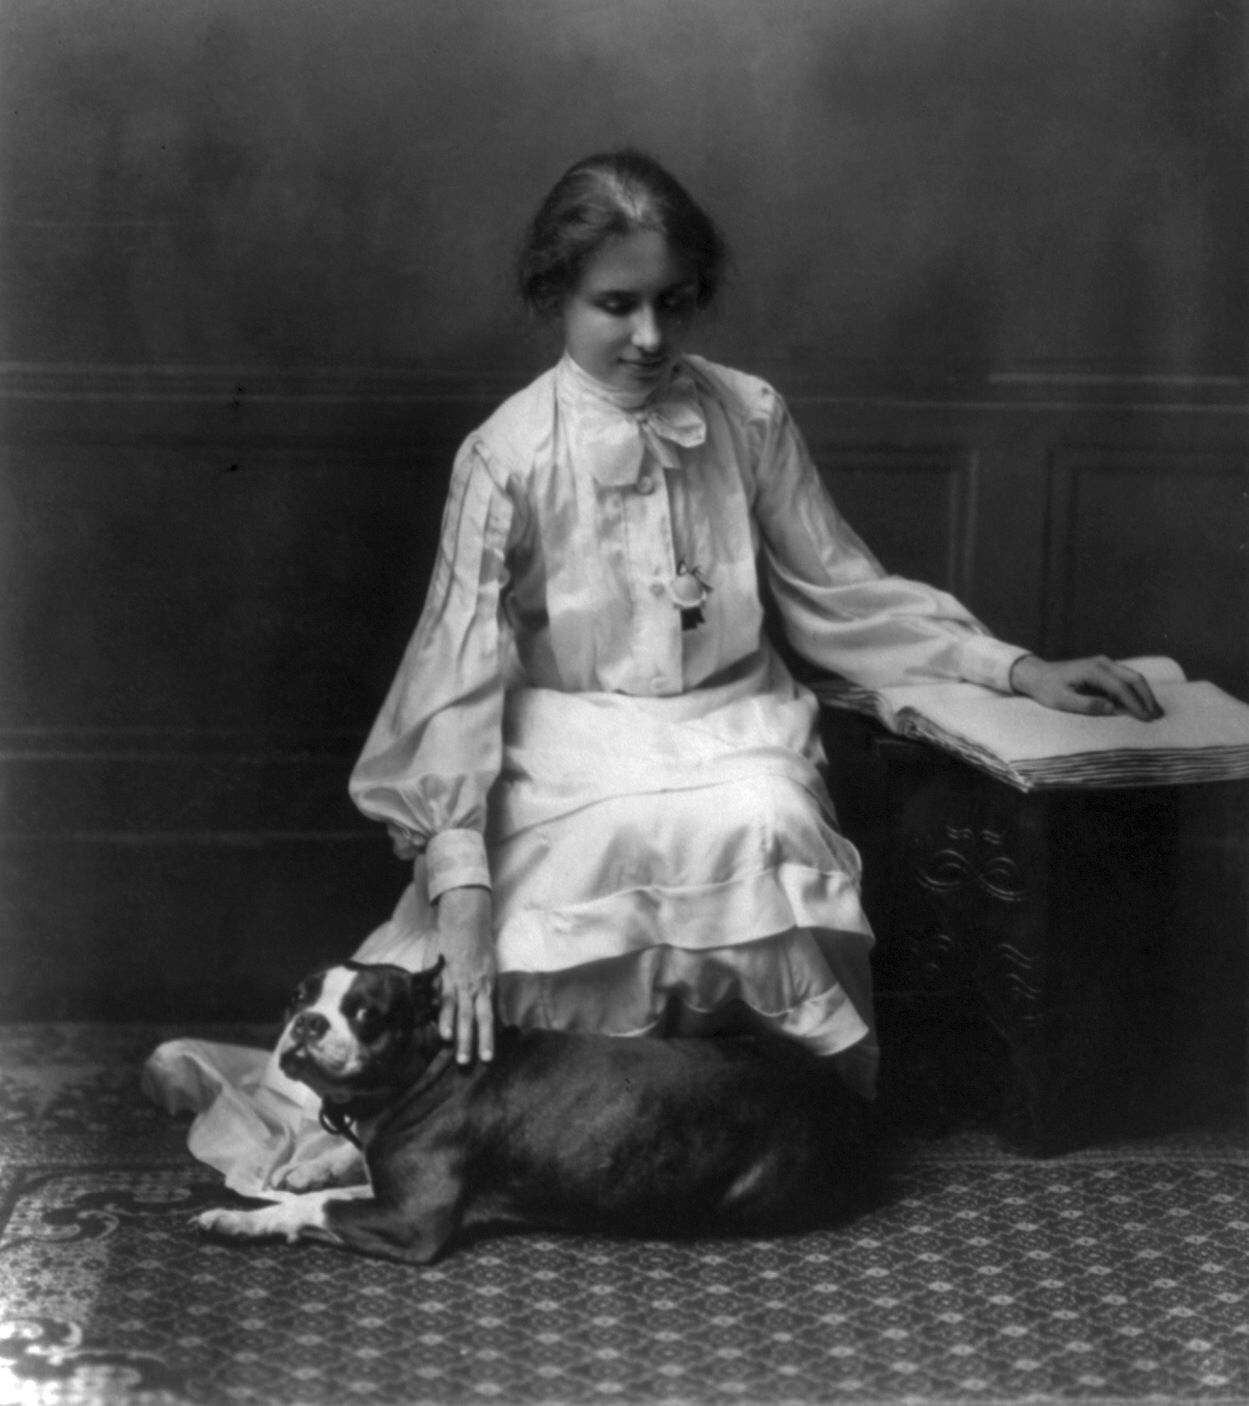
<point>367,1018</point>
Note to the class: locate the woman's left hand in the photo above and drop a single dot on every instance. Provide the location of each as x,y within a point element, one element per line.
<point>1094,686</point>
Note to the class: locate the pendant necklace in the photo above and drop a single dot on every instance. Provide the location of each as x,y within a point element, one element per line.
<point>689,590</point>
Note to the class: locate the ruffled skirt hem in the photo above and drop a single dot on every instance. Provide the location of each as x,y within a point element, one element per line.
<point>660,867</point>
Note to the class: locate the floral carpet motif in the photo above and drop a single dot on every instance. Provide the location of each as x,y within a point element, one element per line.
<point>1110,1276</point>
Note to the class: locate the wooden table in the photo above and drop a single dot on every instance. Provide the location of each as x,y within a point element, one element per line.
<point>1033,947</point>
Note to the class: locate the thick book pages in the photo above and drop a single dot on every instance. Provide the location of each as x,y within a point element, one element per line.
<point>1203,735</point>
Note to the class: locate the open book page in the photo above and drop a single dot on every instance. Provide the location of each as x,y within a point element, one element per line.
<point>1203,735</point>
<point>1196,715</point>
<point>946,700</point>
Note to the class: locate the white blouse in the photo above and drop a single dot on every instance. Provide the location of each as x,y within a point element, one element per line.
<point>571,513</point>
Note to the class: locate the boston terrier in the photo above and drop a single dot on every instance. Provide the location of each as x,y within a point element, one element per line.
<point>597,1133</point>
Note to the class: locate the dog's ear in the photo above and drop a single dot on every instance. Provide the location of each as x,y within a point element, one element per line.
<point>427,991</point>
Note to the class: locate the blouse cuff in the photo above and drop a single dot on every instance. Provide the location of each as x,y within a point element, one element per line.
<point>456,859</point>
<point>988,661</point>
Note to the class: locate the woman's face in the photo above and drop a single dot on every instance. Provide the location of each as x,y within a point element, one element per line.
<point>626,319</point>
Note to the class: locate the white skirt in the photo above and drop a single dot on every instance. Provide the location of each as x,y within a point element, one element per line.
<point>660,866</point>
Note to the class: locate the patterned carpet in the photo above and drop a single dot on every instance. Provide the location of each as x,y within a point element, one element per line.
<point>1108,1276</point>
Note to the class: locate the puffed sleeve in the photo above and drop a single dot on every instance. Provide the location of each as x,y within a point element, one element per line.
<point>436,746</point>
<point>839,608</point>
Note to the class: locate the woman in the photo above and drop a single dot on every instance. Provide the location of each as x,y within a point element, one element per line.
<point>607,780</point>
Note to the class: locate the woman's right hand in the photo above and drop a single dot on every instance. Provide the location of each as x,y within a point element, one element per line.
<point>466,941</point>
<point>1096,686</point>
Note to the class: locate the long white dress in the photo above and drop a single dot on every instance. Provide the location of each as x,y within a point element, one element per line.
<point>642,789</point>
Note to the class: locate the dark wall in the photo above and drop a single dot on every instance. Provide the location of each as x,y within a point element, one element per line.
<point>254,283</point>
<point>285,182</point>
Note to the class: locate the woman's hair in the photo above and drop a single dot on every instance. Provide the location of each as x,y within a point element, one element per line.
<point>614,193</point>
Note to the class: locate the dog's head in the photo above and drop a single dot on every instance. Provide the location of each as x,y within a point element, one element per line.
<point>352,1029</point>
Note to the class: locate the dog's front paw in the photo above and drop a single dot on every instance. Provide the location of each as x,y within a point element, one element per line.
<point>342,1167</point>
<point>287,1220</point>
<point>236,1225</point>
<point>310,1176</point>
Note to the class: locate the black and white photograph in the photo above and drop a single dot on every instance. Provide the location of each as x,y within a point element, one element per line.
<point>624,702</point>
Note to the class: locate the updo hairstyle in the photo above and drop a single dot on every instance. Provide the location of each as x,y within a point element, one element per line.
<point>614,193</point>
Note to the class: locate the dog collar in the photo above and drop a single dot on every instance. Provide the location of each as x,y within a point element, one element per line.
<point>338,1123</point>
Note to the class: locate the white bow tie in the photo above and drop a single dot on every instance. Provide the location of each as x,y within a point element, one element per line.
<point>616,437</point>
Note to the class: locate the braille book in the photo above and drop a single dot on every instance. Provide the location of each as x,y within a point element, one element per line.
<point>1203,735</point>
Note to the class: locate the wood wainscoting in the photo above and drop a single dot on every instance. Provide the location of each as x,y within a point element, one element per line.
<point>209,576</point>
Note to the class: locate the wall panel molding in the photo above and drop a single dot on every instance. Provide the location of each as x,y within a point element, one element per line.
<point>914,506</point>
<point>196,653</point>
<point>302,404</point>
<point>120,786</point>
<point>1148,549</point>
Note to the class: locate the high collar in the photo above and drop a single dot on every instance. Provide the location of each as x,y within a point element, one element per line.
<point>582,384</point>
<point>613,429</point>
